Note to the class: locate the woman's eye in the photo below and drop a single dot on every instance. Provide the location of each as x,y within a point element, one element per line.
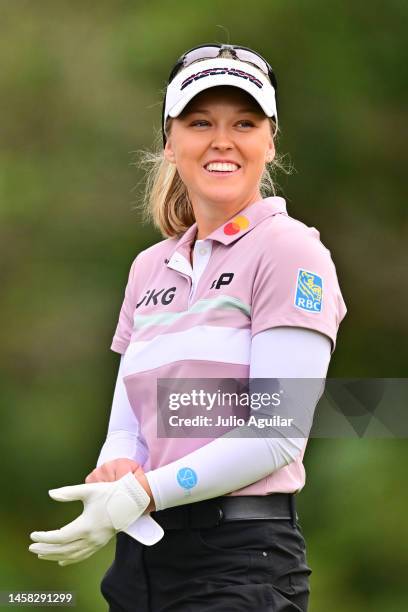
<point>203,122</point>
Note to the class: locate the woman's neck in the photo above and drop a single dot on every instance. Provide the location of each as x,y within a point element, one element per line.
<point>210,218</point>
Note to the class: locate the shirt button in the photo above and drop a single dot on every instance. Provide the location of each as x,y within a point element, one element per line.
<point>202,251</point>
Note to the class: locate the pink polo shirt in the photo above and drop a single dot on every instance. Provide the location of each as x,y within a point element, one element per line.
<point>263,269</point>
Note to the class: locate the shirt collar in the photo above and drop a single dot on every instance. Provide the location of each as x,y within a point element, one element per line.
<point>236,226</point>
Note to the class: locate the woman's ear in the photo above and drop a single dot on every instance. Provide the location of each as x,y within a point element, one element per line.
<point>270,153</point>
<point>169,153</point>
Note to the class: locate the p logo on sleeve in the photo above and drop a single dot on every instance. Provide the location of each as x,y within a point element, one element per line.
<point>309,291</point>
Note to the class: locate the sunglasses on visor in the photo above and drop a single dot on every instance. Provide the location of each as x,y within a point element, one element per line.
<point>210,51</point>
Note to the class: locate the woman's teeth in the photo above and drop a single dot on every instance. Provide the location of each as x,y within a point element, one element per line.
<point>221,167</point>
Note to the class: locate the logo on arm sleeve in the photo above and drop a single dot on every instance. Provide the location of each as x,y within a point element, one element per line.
<point>309,291</point>
<point>187,478</point>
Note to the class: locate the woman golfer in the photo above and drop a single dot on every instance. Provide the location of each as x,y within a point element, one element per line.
<point>205,518</point>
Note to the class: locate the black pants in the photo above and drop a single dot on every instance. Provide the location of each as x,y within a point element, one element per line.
<point>251,565</point>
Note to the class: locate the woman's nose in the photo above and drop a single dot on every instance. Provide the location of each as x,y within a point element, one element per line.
<point>222,139</point>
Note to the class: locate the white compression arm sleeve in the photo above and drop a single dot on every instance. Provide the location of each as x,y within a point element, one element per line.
<point>124,438</point>
<point>227,464</point>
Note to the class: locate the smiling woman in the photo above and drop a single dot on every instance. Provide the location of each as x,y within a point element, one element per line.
<point>236,290</point>
<point>164,188</point>
<point>220,125</point>
<point>234,262</point>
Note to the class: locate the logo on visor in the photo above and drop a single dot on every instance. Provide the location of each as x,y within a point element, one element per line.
<point>309,291</point>
<point>216,71</point>
<point>187,478</point>
<point>236,225</point>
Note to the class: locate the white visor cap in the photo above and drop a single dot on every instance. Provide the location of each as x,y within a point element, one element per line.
<point>208,73</point>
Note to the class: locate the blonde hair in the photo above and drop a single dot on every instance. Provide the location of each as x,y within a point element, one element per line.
<point>165,200</point>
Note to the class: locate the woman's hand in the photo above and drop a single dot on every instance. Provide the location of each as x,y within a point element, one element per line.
<point>112,470</point>
<point>115,469</point>
<point>109,507</point>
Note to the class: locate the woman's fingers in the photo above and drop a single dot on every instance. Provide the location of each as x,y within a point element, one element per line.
<point>112,470</point>
<point>73,531</point>
<point>125,466</point>
<point>57,551</point>
<point>72,558</point>
<point>80,557</point>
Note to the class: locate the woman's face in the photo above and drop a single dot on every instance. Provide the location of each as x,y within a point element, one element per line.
<point>221,123</point>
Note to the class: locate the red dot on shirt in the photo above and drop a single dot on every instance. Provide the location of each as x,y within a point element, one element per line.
<point>231,228</point>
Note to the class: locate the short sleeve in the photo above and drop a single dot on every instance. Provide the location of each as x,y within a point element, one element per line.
<point>124,327</point>
<point>296,285</point>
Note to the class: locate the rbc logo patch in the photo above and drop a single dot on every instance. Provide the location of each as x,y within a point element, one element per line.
<point>309,291</point>
<point>187,478</point>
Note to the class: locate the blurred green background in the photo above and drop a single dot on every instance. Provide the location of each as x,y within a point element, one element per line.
<point>81,86</point>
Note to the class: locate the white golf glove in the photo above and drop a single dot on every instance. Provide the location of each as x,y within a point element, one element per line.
<point>109,507</point>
